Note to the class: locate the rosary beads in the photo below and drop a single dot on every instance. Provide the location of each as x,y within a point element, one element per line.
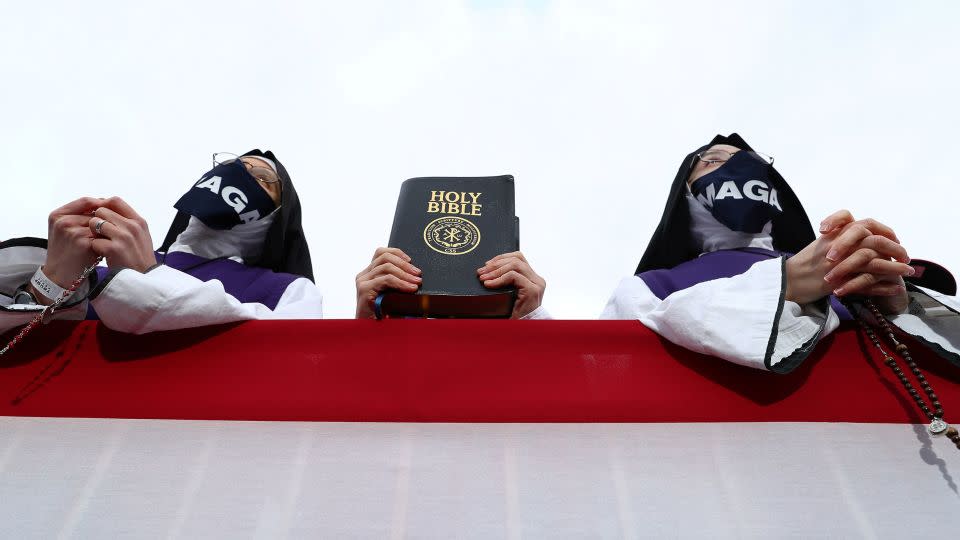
<point>934,410</point>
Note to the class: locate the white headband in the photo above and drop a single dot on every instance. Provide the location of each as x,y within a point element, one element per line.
<point>265,160</point>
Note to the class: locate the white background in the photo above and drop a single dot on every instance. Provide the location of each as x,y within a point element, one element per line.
<point>591,105</point>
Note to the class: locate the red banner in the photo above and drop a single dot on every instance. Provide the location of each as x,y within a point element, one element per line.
<point>443,371</point>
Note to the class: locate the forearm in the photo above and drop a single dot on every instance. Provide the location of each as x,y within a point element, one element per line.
<point>167,299</point>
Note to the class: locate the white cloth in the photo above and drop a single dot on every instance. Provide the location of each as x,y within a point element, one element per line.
<point>269,162</point>
<point>731,318</point>
<point>95,478</point>
<point>243,242</point>
<point>932,318</point>
<point>168,299</point>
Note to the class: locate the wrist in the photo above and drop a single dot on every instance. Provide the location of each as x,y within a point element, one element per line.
<point>46,289</point>
<point>803,288</point>
<point>790,283</point>
<point>61,279</point>
<point>37,295</point>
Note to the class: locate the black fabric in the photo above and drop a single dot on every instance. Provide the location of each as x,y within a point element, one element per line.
<point>285,248</point>
<point>26,241</point>
<point>226,196</point>
<point>672,242</point>
<point>932,276</point>
<point>738,193</point>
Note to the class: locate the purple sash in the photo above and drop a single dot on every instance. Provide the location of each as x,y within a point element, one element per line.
<point>715,265</point>
<point>245,283</point>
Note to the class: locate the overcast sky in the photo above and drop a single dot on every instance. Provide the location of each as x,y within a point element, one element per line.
<point>590,105</point>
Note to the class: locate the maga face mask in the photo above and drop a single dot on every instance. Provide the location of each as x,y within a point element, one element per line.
<point>740,193</point>
<point>225,197</point>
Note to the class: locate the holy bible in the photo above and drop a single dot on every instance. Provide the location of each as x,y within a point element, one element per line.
<point>450,227</point>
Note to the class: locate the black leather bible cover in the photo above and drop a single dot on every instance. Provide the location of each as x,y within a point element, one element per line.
<point>450,227</point>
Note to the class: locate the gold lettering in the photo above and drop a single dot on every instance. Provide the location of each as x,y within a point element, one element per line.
<point>453,202</point>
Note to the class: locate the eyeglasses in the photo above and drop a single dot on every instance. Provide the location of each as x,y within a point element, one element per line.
<point>263,174</point>
<point>721,156</point>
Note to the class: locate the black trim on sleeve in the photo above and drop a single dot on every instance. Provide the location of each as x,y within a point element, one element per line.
<point>102,284</point>
<point>790,363</point>
<point>26,241</point>
<point>913,288</point>
<point>111,273</point>
<point>949,356</point>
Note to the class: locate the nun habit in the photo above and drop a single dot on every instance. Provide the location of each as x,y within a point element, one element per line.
<point>722,292</point>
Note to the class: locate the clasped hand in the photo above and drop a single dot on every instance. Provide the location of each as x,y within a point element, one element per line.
<point>851,257</point>
<point>75,243</point>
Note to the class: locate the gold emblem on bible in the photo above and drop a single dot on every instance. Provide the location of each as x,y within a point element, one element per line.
<point>451,235</point>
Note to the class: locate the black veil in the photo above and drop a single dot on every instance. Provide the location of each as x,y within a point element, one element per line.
<point>285,246</point>
<point>672,242</point>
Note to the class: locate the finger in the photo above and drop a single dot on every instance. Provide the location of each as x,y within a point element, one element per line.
<point>83,205</point>
<point>510,265</point>
<point>863,262</point>
<point>396,251</point>
<point>883,267</point>
<point>384,282</point>
<point>120,206</point>
<point>107,229</point>
<point>103,247</point>
<point>111,216</point>
<point>501,260</point>
<point>393,270</point>
<point>78,233</point>
<point>879,228</point>
<point>849,238</point>
<point>859,283</point>
<point>866,284</point>
<point>510,278</point>
<point>70,221</point>
<point>395,259</point>
<point>886,247</point>
<point>884,289</point>
<point>835,221</point>
<point>511,255</point>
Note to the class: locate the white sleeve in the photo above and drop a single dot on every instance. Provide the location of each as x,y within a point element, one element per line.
<point>168,299</point>
<point>743,319</point>
<point>933,318</point>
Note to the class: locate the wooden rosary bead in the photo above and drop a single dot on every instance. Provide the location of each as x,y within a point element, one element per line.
<point>933,411</point>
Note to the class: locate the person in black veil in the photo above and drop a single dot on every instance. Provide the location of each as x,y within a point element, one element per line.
<point>735,270</point>
<point>235,251</point>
